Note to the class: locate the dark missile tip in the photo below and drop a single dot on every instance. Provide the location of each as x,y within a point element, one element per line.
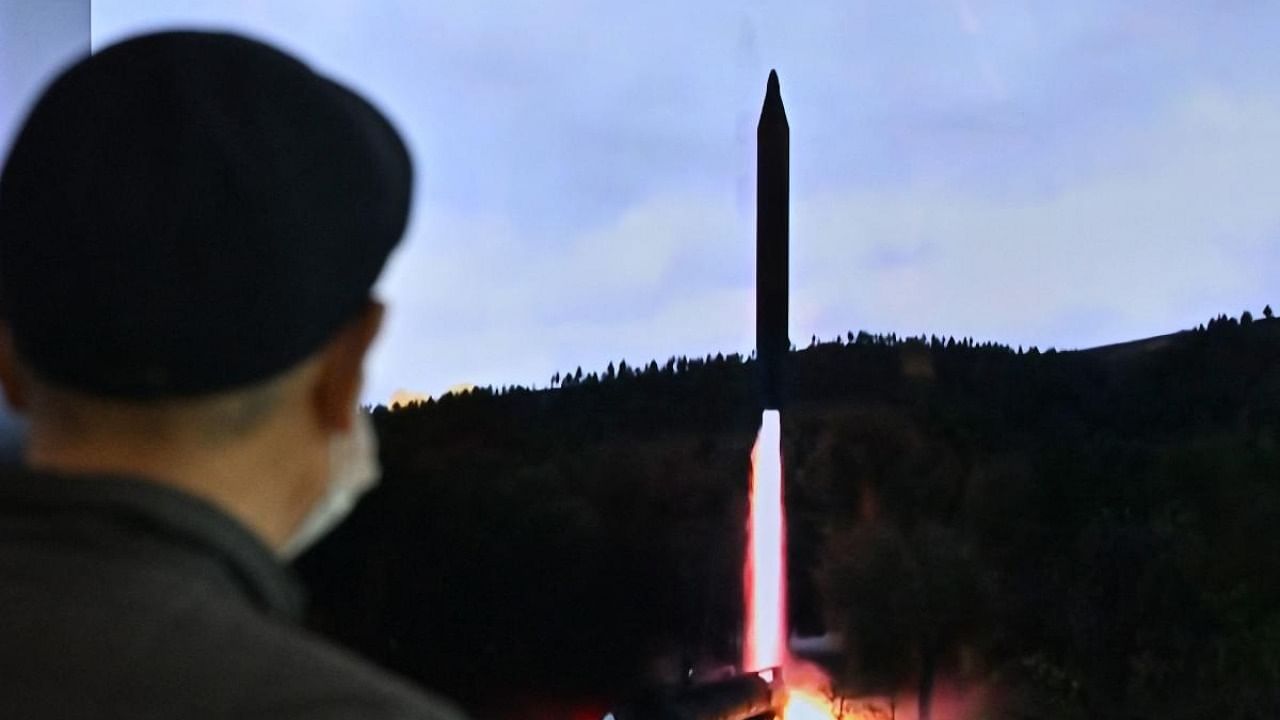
<point>773,113</point>
<point>773,91</point>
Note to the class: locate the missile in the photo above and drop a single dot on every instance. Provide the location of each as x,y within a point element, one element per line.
<point>773,160</point>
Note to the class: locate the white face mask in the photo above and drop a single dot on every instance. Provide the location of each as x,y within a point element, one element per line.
<point>353,470</point>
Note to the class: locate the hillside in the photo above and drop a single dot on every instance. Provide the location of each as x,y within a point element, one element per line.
<point>1092,532</point>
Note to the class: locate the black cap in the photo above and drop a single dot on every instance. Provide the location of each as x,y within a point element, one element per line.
<point>188,212</point>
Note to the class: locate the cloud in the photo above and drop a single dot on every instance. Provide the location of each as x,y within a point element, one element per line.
<point>1174,228</point>
<point>469,301</point>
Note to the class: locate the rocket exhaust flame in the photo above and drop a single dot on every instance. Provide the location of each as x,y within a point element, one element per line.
<point>765,581</point>
<point>765,572</point>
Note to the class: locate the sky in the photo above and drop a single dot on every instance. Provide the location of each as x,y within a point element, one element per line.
<point>1034,173</point>
<point>36,37</point>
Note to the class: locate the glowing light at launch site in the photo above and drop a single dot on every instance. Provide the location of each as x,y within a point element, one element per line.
<point>804,705</point>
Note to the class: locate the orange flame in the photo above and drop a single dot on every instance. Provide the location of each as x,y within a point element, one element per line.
<point>809,695</point>
<point>808,705</point>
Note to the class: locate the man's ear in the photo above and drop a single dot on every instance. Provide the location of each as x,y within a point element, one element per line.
<point>341,372</point>
<point>11,379</point>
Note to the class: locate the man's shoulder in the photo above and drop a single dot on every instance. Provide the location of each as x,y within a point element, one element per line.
<point>285,671</point>
<point>304,675</point>
<point>148,651</point>
<point>151,605</point>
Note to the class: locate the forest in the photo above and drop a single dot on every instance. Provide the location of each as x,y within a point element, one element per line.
<point>1089,534</point>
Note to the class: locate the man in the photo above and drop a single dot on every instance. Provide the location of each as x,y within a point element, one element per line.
<point>190,227</point>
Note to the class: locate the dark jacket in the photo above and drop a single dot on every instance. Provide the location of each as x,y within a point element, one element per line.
<point>120,598</point>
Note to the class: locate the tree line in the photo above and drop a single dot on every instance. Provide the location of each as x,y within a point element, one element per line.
<point>1091,532</point>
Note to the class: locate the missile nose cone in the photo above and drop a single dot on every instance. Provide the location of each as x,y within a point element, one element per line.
<point>773,113</point>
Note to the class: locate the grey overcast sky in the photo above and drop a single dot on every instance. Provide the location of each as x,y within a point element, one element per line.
<point>1053,173</point>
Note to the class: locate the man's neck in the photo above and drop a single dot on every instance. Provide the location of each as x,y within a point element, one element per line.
<point>251,486</point>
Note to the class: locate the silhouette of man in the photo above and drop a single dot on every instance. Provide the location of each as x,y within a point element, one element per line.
<point>190,228</point>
